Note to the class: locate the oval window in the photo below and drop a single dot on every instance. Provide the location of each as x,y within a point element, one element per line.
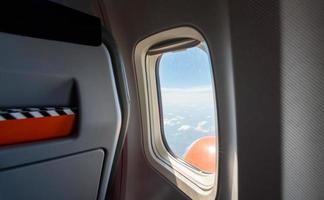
<point>187,106</point>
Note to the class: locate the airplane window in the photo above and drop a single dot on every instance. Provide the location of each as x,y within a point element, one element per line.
<point>189,123</point>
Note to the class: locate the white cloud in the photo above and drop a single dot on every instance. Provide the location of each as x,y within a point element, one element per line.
<point>190,90</point>
<point>184,128</point>
<point>173,121</point>
<point>200,127</point>
<point>202,123</point>
<point>179,117</point>
<point>188,97</point>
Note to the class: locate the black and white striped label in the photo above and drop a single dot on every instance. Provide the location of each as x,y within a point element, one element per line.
<point>26,113</point>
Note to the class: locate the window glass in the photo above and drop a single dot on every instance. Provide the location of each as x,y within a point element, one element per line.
<point>188,106</point>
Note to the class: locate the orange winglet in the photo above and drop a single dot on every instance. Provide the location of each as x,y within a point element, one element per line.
<point>33,129</point>
<point>202,154</point>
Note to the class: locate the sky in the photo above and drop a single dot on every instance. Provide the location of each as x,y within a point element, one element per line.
<point>185,69</point>
<point>187,98</point>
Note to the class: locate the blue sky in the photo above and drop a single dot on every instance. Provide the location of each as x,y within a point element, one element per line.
<point>185,69</point>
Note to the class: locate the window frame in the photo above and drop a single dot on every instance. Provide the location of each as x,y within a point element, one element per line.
<point>195,183</point>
